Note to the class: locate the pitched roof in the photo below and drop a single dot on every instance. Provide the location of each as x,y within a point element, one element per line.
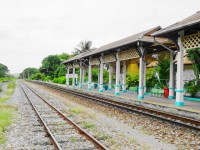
<point>185,23</point>
<point>144,36</point>
<point>79,56</point>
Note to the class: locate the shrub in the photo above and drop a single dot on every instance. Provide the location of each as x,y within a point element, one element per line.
<point>132,80</point>
<point>55,80</point>
<point>37,76</point>
<point>192,88</point>
<point>62,80</point>
<point>48,78</point>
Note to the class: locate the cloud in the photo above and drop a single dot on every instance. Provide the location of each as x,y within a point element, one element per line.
<point>31,30</point>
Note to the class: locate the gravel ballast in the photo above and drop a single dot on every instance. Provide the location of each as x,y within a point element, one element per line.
<point>116,129</point>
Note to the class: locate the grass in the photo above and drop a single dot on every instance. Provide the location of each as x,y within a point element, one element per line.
<point>73,139</point>
<point>6,111</point>
<point>88,125</point>
<point>102,135</point>
<point>76,110</point>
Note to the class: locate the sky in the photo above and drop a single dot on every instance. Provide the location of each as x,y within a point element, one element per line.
<point>30,30</point>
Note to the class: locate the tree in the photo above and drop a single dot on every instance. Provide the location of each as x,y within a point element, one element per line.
<point>83,46</point>
<point>28,72</point>
<point>3,70</point>
<point>51,65</point>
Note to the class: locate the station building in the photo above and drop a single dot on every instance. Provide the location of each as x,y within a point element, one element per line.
<point>133,54</point>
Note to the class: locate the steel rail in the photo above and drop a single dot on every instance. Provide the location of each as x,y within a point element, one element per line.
<point>77,127</point>
<point>49,133</point>
<point>175,119</point>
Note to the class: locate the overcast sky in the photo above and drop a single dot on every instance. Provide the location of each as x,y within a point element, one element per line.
<point>33,29</point>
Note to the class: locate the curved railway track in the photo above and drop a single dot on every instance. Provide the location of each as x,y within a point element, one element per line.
<point>48,115</point>
<point>172,118</point>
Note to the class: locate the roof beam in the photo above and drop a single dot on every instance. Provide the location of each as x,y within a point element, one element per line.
<point>164,46</point>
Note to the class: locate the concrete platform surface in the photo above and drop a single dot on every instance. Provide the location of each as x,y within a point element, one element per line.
<point>191,108</point>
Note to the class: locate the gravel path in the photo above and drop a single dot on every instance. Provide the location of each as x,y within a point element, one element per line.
<point>62,131</point>
<point>3,88</point>
<point>182,137</point>
<point>108,129</point>
<point>26,132</point>
<point>114,128</point>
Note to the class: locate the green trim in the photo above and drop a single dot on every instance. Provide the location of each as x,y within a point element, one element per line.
<point>117,85</point>
<point>179,104</point>
<point>109,89</point>
<point>124,91</point>
<point>100,84</point>
<point>170,97</point>
<point>141,87</point>
<point>171,88</point>
<point>117,93</point>
<point>101,91</point>
<point>179,91</point>
<point>89,89</point>
<point>192,99</point>
<point>140,97</point>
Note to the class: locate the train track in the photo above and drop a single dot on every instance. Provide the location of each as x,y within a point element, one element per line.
<point>2,83</point>
<point>172,118</point>
<point>59,128</point>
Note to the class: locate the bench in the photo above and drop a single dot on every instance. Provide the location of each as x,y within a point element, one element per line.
<point>157,92</point>
<point>133,89</point>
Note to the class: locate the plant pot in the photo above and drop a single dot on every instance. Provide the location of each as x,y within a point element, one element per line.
<point>95,86</point>
<point>106,87</point>
<point>166,92</point>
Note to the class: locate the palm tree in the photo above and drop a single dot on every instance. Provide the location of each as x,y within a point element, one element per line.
<point>83,46</point>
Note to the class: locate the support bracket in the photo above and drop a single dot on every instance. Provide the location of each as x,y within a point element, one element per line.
<point>114,56</point>
<point>165,46</point>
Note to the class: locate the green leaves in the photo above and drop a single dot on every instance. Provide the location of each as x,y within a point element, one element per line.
<point>132,80</point>
<point>194,56</point>
<point>3,70</point>
<point>28,72</point>
<point>83,46</point>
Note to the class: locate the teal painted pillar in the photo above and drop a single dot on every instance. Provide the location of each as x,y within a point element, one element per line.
<point>67,76</point>
<point>101,74</point>
<point>179,81</point>
<point>81,76</point>
<point>73,79</point>
<point>110,77</point>
<point>141,76</point>
<point>171,77</point>
<point>117,85</point>
<point>89,75</point>
<point>124,77</point>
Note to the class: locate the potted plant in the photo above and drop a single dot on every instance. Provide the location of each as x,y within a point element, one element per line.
<point>106,87</point>
<point>95,85</point>
<point>192,88</point>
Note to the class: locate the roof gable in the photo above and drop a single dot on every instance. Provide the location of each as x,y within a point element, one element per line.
<point>185,23</point>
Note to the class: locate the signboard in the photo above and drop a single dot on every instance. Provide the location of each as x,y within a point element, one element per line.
<point>71,75</point>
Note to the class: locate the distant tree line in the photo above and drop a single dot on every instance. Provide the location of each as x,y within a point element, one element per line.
<point>3,71</point>
<point>52,69</point>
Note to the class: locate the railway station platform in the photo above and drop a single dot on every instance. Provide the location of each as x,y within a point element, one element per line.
<point>191,108</point>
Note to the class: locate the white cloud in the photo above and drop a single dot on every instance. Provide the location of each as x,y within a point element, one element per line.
<point>33,29</point>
